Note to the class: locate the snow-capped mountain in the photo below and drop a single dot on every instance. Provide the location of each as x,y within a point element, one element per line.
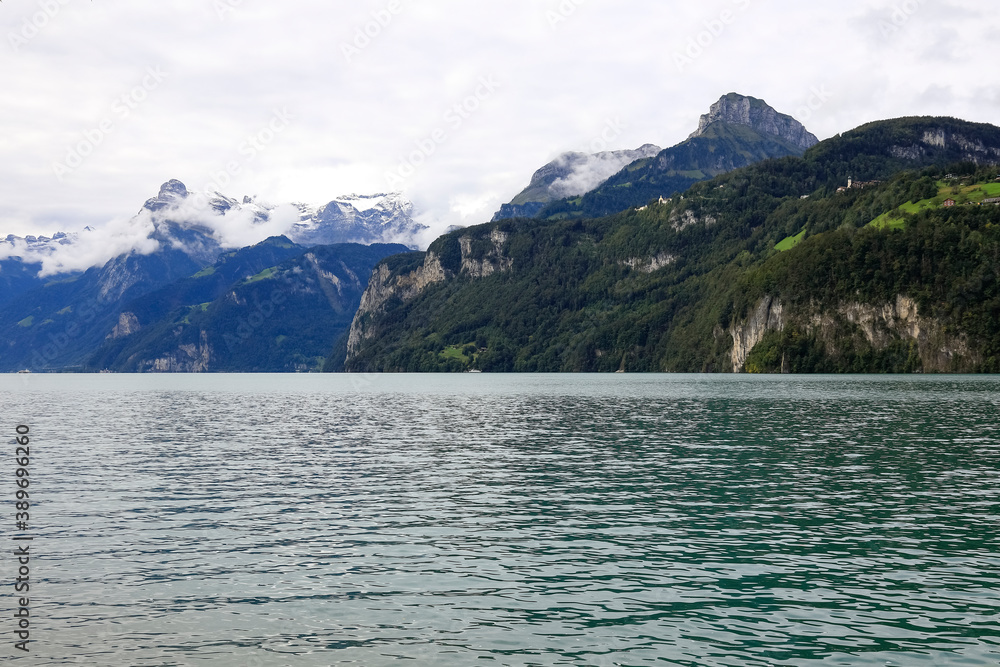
<point>378,218</point>
<point>366,219</point>
<point>62,297</point>
<point>201,225</point>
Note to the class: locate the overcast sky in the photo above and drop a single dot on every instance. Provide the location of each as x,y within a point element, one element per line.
<point>455,103</point>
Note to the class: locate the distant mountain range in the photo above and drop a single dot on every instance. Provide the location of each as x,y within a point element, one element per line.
<point>200,224</point>
<point>736,132</point>
<point>178,282</point>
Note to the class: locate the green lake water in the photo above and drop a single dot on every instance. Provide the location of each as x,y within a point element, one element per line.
<point>508,520</point>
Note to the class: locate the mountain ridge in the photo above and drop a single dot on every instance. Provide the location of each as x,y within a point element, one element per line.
<point>676,285</point>
<point>737,109</point>
<point>737,131</point>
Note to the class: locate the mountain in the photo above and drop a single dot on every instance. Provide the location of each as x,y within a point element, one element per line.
<point>59,324</point>
<point>273,307</point>
<point>202,225</point>
<point>569,175</point>
<point>62,298</point>
<point>738,131</point>
<point>736,109</point>
<point>207,284</point>
<point>778,266</point>
<point>379,218</point>
<point>363,219</point>
<point>18,276</point>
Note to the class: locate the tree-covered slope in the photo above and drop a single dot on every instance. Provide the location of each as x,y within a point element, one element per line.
<point>697,283</point>
<point>722,147</point>
<point>260,312</point>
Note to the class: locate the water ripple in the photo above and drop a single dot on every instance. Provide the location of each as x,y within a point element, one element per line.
<point>528,520</point>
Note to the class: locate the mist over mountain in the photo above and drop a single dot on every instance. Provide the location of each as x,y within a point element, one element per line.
<point>62,298</point>
<point>569,175</point>
<point>737,131</point>
<point>201,225</point>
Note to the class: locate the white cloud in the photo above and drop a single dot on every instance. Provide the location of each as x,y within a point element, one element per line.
<point>91,247</point>
<point>352,120</point>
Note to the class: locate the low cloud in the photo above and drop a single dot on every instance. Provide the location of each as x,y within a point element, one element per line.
<point>236,228</point>
<point>588,174</point>
<point>85,249</point>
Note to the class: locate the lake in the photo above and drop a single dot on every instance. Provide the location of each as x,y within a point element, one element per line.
<point>507,519</point>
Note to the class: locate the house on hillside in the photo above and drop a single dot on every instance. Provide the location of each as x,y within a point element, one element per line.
<point>948,203</point>
<point>853,184</point>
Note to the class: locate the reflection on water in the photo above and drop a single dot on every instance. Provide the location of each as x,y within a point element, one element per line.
<point>525,520</point>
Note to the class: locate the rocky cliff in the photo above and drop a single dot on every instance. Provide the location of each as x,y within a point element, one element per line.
<point>739,109</point>
<point>474,255</point>
<point>767,316</point>
<point>935,347</point>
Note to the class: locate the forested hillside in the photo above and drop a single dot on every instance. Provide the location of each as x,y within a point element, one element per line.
<point>766,268</point>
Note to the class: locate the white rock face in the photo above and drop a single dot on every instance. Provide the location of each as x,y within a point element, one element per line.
<point>494,261</point>
<point>767,316</point>
<point>481,256</point>
<point>127,325</point>
<point>650,264</point>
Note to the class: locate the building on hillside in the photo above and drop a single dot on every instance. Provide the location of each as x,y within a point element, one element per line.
<point>948,203</point>
<point>853,184</point>
<point>991,200</point>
